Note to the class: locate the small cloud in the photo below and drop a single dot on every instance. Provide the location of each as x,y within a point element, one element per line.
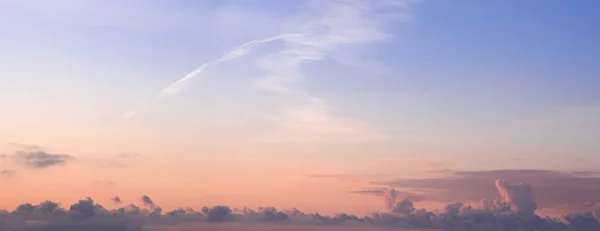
<point>116,200</point>
<point>6,173</point>
<point>147,201</point>
<point>385,192</point>
<point>41,159</point>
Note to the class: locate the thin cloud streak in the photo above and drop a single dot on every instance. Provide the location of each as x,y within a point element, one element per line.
<point>236,52</point>
<point>334,24</point>
<point>313,36</point>
<point>41,159</point>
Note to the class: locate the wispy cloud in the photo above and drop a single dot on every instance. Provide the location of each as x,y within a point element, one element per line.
<point>386,192</point>
<point>234,53</point>
<point>329,26</point>
<point>116,200</point>
<point>41,159</point>
<point>310,36</point>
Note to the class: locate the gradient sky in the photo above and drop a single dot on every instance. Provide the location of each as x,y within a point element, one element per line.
<point>389,92</point>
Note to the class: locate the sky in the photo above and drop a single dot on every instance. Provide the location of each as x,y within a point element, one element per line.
<point>322,106</point>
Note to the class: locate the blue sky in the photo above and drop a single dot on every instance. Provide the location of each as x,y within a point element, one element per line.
<point>452,80</point>
<point>456,66</point>
<point>220,98</point>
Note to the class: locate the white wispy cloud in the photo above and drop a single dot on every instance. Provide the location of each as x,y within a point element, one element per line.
<point>234,53</point>
<point>328,27</point>
<point>322,29</point>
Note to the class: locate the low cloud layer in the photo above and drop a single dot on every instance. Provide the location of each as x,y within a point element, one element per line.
<point>384,192</point>
<point>569,191</point>
<point>40,159</point>
<point>513,209</point>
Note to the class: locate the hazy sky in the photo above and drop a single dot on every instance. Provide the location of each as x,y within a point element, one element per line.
<point>330,96</point>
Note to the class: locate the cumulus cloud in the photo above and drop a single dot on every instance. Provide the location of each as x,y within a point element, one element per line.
<point>513,210</point>
<point>116,200</point>
<point>85,208</point>
<point>596,211</point>
<point>147,201</point>
<point>519,196</point>
<point>40,159</point>
<point>569,191</point>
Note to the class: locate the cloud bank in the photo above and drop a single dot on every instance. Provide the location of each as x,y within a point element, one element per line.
<point>513,210</point>
<point>568,191</point>
<point>236,52</point>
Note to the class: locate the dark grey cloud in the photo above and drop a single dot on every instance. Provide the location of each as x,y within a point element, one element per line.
<point>383,191</point>
<point>48,207</point>
<point>116,200</point>
<point>130,209</point>
<point>41,159</point>
<point>572,191</point>
<point>147,201</point>
<point>86,208</point>
<point>513,210</point>
<point>376,191</point>
<point>219,213</point>
<point>24,209</point>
